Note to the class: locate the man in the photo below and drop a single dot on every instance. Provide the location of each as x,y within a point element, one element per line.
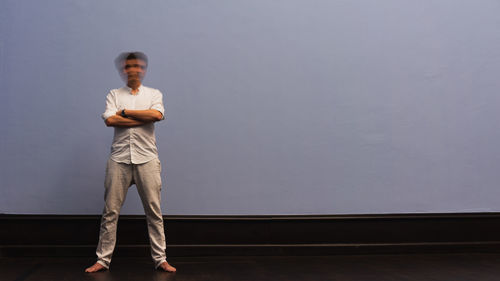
<point>132,111</point>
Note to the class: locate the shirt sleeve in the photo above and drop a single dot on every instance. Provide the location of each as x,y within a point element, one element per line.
<point>157,103</point>
<point>111,107</point>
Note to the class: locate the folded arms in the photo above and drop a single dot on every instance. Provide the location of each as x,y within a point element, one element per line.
<point>133,118</point>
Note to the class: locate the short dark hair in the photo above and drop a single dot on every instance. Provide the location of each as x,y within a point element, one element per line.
<point>130,56</point>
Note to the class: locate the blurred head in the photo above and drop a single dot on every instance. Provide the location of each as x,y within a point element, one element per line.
<point>132,67</point>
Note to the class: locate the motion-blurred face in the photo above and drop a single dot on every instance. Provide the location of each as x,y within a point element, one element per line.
<point>134,71</point>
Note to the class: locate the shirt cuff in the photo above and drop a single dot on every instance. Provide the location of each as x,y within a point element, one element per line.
<point>161,110</point>
<point>107,114</point>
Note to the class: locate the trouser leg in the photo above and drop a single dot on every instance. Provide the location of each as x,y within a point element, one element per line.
<point>148,181</point>
<point>118,180</point>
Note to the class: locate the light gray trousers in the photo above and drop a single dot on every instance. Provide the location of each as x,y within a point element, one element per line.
<point>119,177</point>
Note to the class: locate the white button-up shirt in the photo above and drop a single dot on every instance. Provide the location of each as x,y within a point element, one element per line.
<point>134,145</point>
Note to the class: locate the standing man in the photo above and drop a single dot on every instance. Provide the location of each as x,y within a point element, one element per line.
<point>132,111</point>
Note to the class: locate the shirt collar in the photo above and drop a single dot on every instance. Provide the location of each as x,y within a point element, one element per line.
<point>141,87</point>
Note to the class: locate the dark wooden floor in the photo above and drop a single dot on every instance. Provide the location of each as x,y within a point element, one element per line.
<point>422,267</point>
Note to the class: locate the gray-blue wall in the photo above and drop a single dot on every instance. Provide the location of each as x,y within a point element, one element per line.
<point>273,107</point>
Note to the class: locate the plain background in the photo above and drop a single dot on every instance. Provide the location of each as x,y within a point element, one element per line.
<point>273,107</point>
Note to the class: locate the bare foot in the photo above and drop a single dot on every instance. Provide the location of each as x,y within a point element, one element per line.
<point>167,267</point>
<point>95,268</point>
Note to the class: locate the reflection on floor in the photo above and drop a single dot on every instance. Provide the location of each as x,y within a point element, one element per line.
<point>421,267</point>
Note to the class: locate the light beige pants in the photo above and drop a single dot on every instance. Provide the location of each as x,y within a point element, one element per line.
<point>119,177</point>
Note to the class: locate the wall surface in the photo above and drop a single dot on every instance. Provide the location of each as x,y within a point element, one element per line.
<point>273,107</point>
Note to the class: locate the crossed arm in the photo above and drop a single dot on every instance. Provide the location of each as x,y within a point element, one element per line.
<point>134,118</point>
